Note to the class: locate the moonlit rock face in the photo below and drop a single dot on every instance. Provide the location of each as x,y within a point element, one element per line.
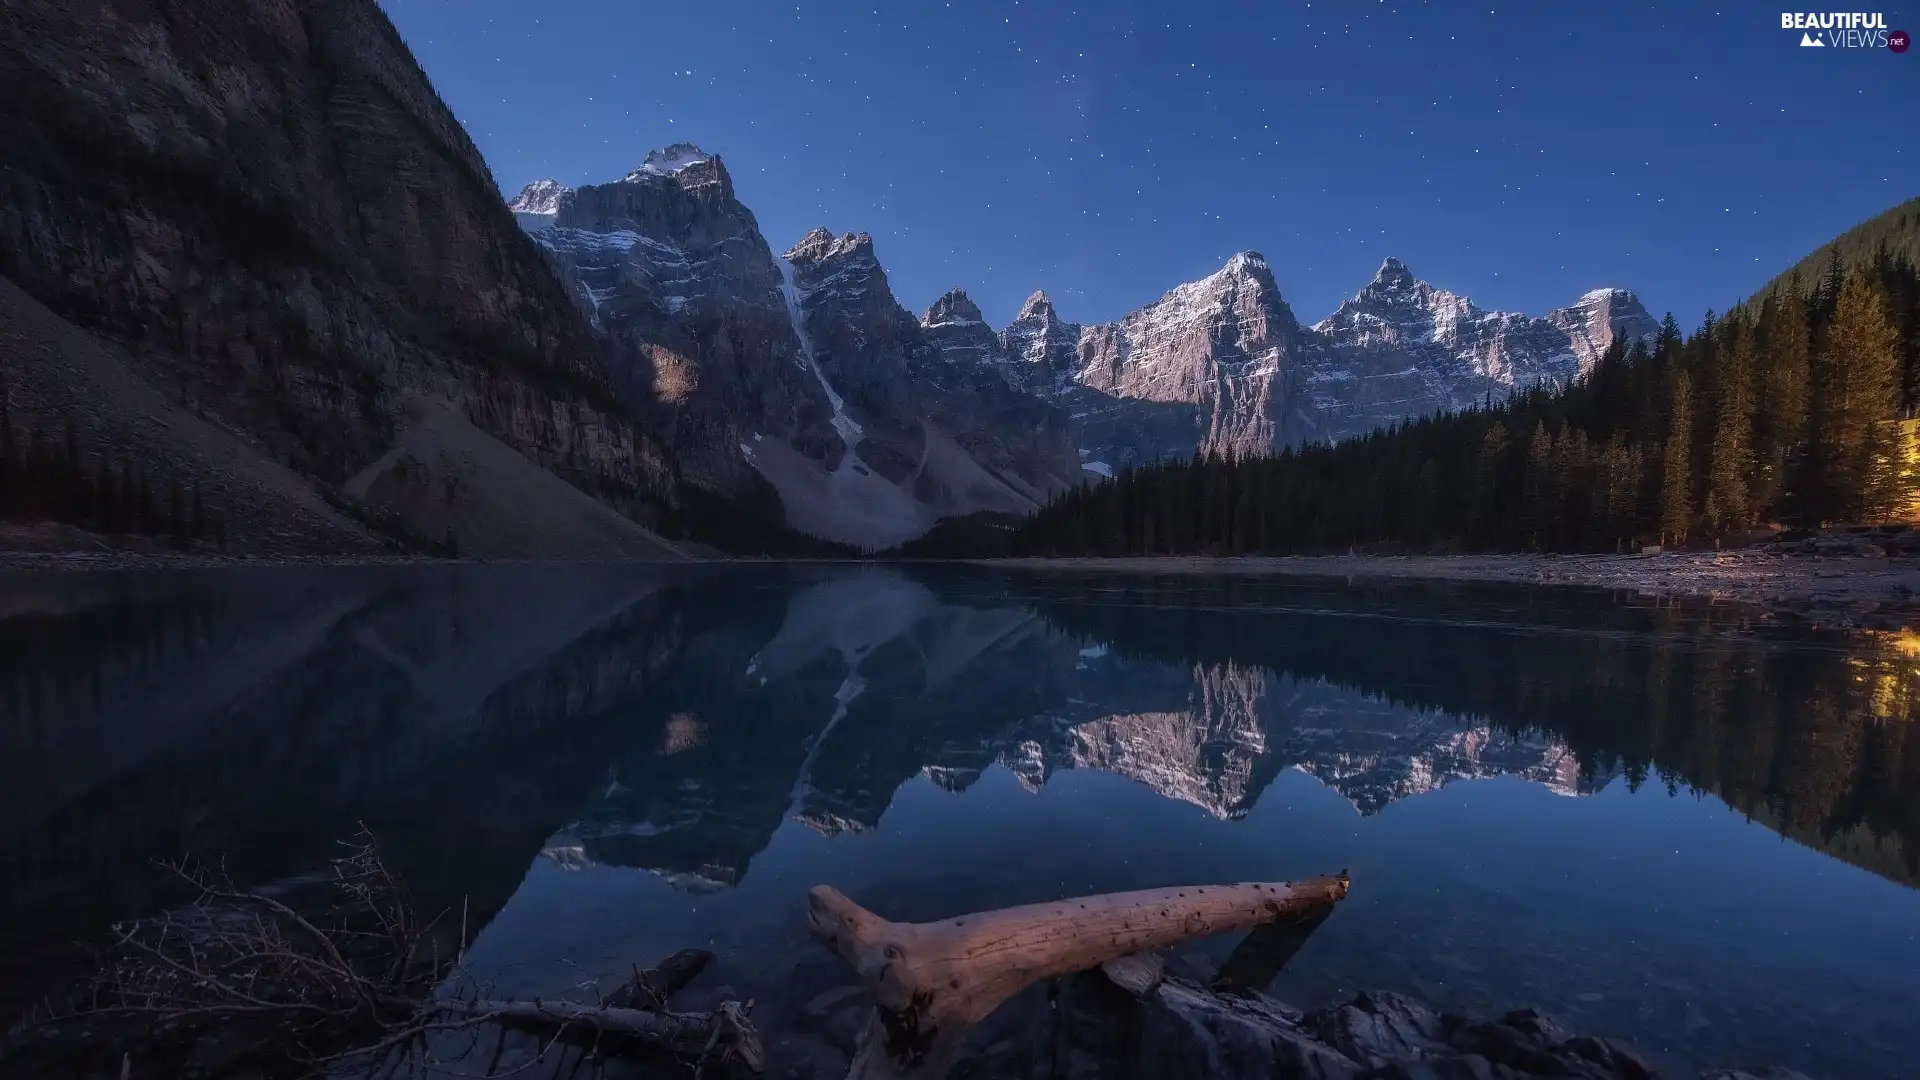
<point>540,197</point>
<point>876,423</point>
<point>538,204</point>
<point>1402,348</point>
<point>671,160</point>
<point>954,326</point>
<point>1040,348</point>
<point>671,269</point>
<point>799,378</point>
<point>1208,366</point>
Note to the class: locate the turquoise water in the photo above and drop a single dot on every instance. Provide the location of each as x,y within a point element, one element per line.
<point>1679,826</point>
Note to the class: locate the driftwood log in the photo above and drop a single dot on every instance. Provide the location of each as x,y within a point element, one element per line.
<point>932,982</point>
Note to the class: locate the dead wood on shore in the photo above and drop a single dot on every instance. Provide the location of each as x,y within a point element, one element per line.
<point>932,982</point>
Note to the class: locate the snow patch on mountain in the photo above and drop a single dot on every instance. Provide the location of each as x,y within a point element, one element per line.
<point>538,204</point>
<point>669,161</point>
<point>849,430</point>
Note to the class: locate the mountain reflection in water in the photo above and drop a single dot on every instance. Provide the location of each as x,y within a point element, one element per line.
<point>605,764</point>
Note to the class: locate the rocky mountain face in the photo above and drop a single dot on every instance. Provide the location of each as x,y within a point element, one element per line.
<point>670,271</point>
<point>293,286</point>
<point>1222,364</point>
<point>1209,366</point>
<point>804,375</point>
<point>799,381</point>
<point>1401,347</point>
<point>538,203</point>
<point>264,212</point>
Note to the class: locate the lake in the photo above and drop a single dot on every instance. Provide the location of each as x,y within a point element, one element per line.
<point>1686,826</point>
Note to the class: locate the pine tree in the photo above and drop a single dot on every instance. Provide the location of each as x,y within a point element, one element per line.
<point>1669,336</point>
<point>1485,526</point>
<point>1536,492</point>
<point>1676,469</point>
<point>1857,388</point>
<point>1827,293</point>
<point>1727,505</point>
<point>1780,416</point>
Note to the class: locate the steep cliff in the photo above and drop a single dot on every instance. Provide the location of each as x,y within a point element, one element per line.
<point>264,210</point>
<point>796,386</point>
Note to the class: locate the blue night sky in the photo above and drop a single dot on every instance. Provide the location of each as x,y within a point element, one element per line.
<point>1106,151</point>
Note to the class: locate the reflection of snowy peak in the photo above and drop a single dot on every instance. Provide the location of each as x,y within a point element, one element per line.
<point>1240,726</point>
<point>1205,754</point>
<point>870,678</point>
<point>1380,753</point>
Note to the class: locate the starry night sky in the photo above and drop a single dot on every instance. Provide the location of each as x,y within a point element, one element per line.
<point>1107,151</point>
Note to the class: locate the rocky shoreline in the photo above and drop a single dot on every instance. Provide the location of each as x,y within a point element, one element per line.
<point>1085,1027</point>
<point>1845,583</point>
<point>1838,589</point>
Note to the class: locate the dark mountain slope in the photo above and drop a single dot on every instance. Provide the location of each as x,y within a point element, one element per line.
<point>268,207</point>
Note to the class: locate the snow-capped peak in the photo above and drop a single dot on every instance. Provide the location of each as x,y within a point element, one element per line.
<point>1596,296</point>
<point>668,161</point>
<point>1393,274</point>
<point>953,309</point>
<point>1247,262</point>
<point>820,245</point>
<point>1037,306</point>
<point>540,197</point>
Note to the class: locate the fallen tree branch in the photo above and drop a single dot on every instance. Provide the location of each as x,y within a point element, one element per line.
<point>932,982</point>
<point>723,1034</point>
<point>240,982</point>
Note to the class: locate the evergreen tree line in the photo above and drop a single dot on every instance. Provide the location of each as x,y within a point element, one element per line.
<point>41,480</point>
<point>1795,410</point>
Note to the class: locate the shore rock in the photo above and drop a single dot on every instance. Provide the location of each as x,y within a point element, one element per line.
<point>1093,1030</point>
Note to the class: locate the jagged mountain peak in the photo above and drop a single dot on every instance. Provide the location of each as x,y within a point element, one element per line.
<point>671,160</point>
<point>540,197</point>
<point>1424,348</point>
<point>1393,275</point>
<point>1248,264</point>
<point>1037,306</point>
<point>820,245</point>
<point>1611,295</point>
<point>953,309</point>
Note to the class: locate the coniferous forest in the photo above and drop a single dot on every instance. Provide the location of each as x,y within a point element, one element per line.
<point>1794,409</point>
<point>43,479</point>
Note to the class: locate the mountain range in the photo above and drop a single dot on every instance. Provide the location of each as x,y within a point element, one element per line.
<point>802,371</point>
<point>294,289</point>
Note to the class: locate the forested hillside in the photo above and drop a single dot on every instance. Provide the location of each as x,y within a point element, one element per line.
<point>1893,235</point>
<point>1795,409</point>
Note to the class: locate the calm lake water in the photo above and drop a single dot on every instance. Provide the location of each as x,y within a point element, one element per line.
<point>1685,827</point>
